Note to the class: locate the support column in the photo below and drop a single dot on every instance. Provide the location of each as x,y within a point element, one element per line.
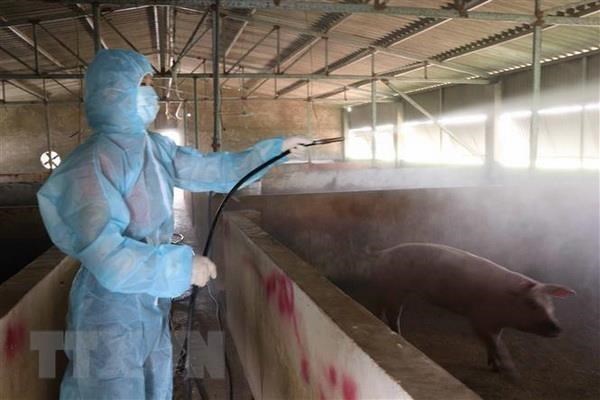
<point>47,126</point>
<point>439,116</point>
<point>492,129</point>
<point>196,121</point>
<point>537,75</point>
<point>373,108</point>
<point>584,75</point>
<point>345,128</point>
<point>96,19</point>
<point>398,142</point>
<point>216,142</point>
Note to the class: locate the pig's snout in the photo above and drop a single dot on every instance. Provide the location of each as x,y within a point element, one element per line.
<point>549,328</point>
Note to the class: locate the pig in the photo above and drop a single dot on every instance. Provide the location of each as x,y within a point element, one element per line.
<point>490,296</point>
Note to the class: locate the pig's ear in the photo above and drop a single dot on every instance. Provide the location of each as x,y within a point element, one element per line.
<point>557,290</point>
<point>525,285</point>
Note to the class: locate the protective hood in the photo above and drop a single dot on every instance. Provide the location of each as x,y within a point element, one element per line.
<point>111,89</point>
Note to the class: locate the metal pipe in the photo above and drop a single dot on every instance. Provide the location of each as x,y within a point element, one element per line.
<point>362,8</point>
<point>236,37</point>
<point>326,56</point>
<point>162,38</point>
<point>47,123</point>
<point>258,75</point>
<point>26,90</point>
<point>251,49</point>
<point>352,102</point>
<point>62,44</point>
<point>584,75</point>
<point>373,110</point>
<point>35,48</point>
<point>196,117</point>
<point>492,129</point>
<point>428,115</point>
<point>216,143</point>
<point>190,42</point>
<point>293,58</point>
<point>13,56</point>
<point>535,98</point>
<point>96,19</point>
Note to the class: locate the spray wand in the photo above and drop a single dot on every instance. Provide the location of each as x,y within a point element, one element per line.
<point>183,361</point>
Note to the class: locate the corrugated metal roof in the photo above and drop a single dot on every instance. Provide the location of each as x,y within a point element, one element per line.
<point>461,41</point>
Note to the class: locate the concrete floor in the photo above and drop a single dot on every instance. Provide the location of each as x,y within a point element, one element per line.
<point>564,368</point>
<point>205,321</point>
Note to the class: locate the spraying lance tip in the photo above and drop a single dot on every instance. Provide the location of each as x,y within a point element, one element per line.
<point>326,141</point>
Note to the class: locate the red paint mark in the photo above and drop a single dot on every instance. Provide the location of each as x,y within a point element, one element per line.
<point>15,340</point>
<point>281,286</point>
<point>286,296</point>
<point>304,368</point>
<point>332,375</point>
<point>349,389</point>
<point>271,286</point>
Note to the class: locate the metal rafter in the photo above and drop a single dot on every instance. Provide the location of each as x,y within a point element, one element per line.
<point>24,37</point>
<point>62,44</point>
<point>35,71</point>
<point>88,18</point>
<point>59,17</point>
<point>590,7</point>
<point>303,44</point>
<point>238,33</point>
<point>375,9</point>
<point>386,43</point>
<point>258,75</point>
<point>193,39</point>
<point>160,20</point>
<point>351,40</point>
<point>27,88</point>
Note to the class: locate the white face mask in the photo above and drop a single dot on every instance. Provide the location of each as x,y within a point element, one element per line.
<point>147,104</point>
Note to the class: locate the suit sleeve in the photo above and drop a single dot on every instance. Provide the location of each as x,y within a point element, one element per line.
<point>218,172</point>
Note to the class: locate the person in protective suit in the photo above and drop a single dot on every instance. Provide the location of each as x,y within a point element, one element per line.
<point>109,205</point>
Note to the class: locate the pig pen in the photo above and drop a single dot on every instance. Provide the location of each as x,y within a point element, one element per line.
<point>548,231</point>
<point>22,233</point>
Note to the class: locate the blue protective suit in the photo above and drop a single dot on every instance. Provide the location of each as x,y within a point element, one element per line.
<point>109,205</point>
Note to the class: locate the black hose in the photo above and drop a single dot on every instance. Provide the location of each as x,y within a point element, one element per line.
<point>184,361</point>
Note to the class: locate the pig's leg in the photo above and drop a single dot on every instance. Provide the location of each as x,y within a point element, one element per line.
<point>506,362</point>
<point>499,358</point>
<point>489,339</point>
<point>393,313</point>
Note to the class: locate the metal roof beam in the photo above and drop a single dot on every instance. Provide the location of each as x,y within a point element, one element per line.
<point>59,17</point>
<point>237,34</point>
<point>87,17</point>
<point>257,75</point>
<point>160,23</point>
<point>25,38</point>
<point>361,8</point>
<point>385,43</point>
<point>328,23</point>
<point>192,41</point>
<point>27,88</point>
<point>351,40</point>
<point>63,44</point>
<point>582,9</point>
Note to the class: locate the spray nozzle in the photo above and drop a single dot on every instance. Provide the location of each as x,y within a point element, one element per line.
<point>324,141</point>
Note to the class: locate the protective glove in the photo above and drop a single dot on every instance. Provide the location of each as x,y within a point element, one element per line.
<point>203,269</point>
<point>294,145</point>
